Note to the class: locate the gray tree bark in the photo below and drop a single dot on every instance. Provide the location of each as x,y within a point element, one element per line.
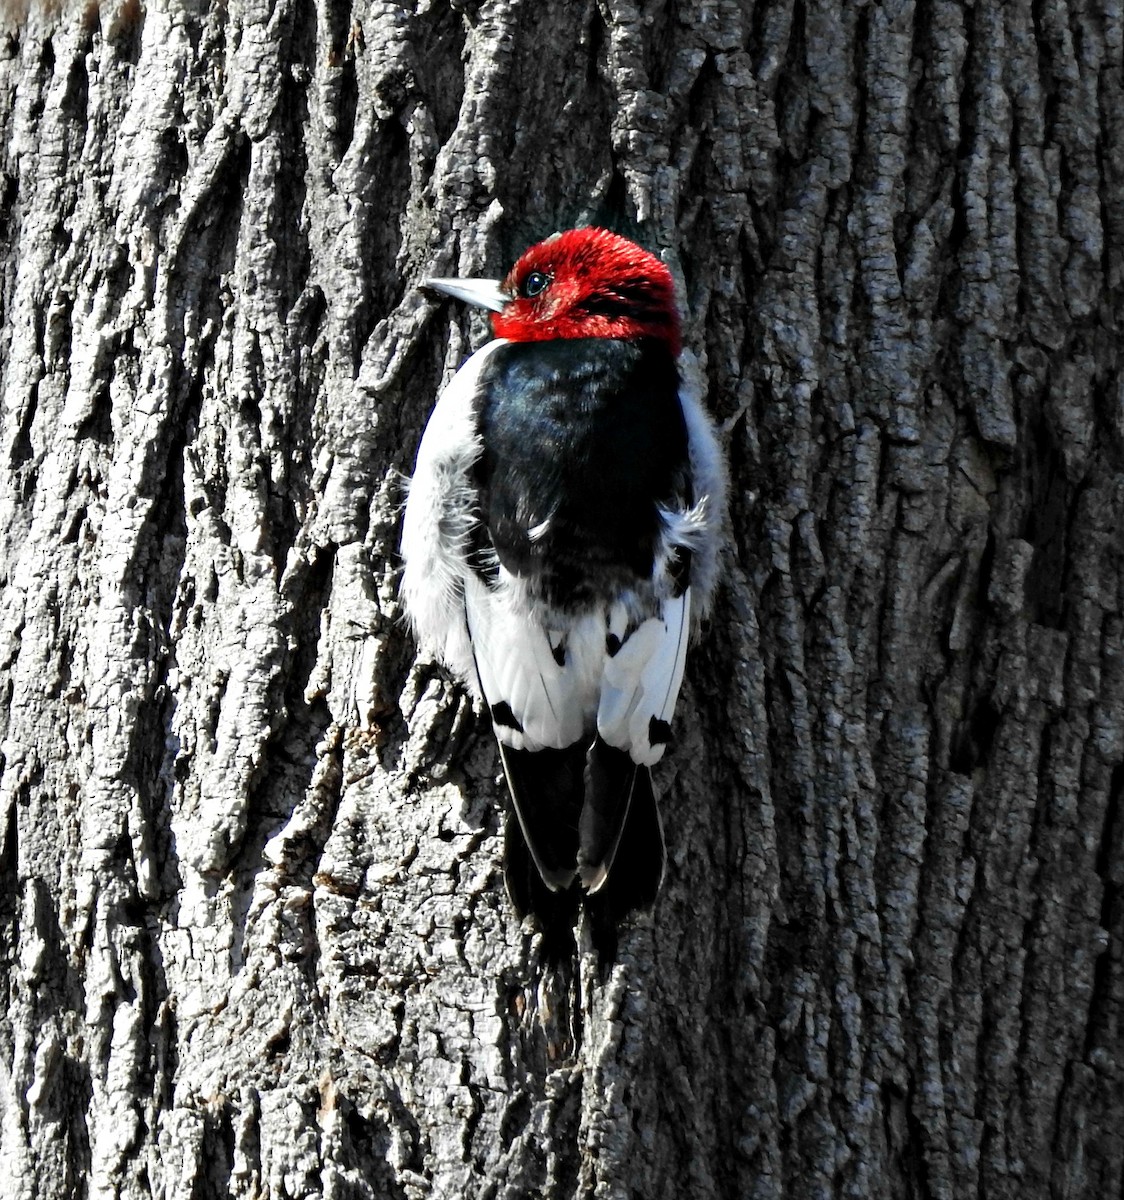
<point>253,930</point>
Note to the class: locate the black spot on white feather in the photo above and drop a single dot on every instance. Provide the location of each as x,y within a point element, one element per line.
<point>502,715</point>
<point>612,644</point>
<point>659,732</point>
<point>559,653</point>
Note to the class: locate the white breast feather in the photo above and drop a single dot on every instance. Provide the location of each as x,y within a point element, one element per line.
<point>708,475</point>
<point>437,523</point>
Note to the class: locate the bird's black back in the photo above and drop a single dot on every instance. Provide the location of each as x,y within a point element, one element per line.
<point>588,436</point>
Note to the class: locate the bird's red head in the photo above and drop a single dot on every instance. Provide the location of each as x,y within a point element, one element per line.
<point>588,283</point>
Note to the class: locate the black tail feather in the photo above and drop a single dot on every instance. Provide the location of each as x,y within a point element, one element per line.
<point>610,776</point>
<point>601,801</point>
<point>638,865</point>
<point>548,790</point>
<point>637,872</point>
<point>555,911</point>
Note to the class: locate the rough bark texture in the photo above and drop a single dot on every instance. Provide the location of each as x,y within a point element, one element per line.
<point>252,925</point>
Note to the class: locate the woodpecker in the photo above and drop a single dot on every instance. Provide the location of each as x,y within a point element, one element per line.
<point>561,540</point>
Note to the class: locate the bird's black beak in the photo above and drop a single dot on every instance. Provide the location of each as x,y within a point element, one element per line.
<point>484,293</point>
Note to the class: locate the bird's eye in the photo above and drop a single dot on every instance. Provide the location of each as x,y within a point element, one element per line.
<point>534,284</point>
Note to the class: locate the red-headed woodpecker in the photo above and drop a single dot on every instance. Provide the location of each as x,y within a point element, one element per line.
<point>561,539</point>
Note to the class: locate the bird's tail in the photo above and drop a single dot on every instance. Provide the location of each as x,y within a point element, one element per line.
<point>585,813</point>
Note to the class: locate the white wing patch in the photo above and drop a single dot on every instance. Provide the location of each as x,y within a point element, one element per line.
<point>544,677</point>
<point>553,687</point>
<point>641,683</point>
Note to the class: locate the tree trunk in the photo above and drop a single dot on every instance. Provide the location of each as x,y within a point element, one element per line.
<point>252,922</point>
